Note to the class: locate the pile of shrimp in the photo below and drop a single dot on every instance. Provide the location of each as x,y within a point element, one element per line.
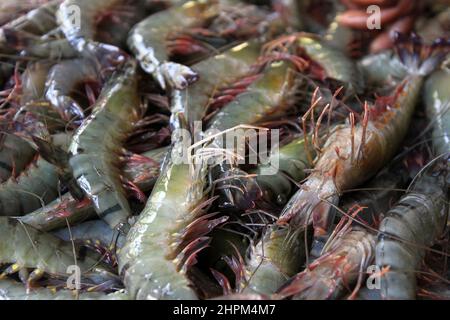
<point>118,179</point>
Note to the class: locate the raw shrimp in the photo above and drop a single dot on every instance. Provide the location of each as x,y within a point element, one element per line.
<point>437,101</point>
<point>34,187</point>
<point>38,21</point>
<point>26,247</point>
<point>161,247</point>
<point>279,255</point>
<point>271,93</point>
<point>382,68</point>
<point>97,145</point>
<point>94,231</point>
<point>151,44</point>
<point>33,81</point>
<point>140,170</point>
<point>15,154</point>
<point>81,35</point>
<point>352,154</point>
<point>326,62</point>
<point>59,86</point>
<point>343,264</point>
<point>218,71</point>
<point>410,227</point>
<point>12,290</point>
<point>11,9</point>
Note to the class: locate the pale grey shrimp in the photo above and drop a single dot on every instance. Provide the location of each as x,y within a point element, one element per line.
<point>24,247</point>
<point>437,101</point>
<point>33,81</point>
<point>279,255</point>
<point>97,145</point>
<point>60,86</point>
<point>13,290</point>
<point>15,154</point>
<point>411,227</point>
<point>94,231</point>
<point>31,189</point>
<point>140,170</point>
<point>342,264</point>
<point>147,40</point>
<point>38,21</point>
<point>82,34</point>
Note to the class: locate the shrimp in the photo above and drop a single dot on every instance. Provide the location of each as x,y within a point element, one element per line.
<point>140,170</point>
<point>33,188</point>
<point>220,70</point>
<point>279,255</point>
<point>15,154</point>
<point>352,154</point>
<point>38,21</point>
<point>382,68</point>
<point>149,40</point>
<point>12,290</point>
<point>271,182</point>
<point>42,252</point>
<point>271,93</point>
<point>97,145</point>
<point>161,247</point>
<point>94,231</point>
<point>33,81</point>
<point>11,9</point>
<point>81,35</point>
<point>326,61</point>
<point>410,227</point>
<point>59,86</point>
<point>341,265</point>
<point>437,101</point>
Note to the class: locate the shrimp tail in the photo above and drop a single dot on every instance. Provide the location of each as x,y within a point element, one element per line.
<point>308,206</point>
<point>419,58</point>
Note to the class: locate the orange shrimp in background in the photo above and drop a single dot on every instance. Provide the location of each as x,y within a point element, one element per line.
<point>395,16</point>
<point>354,153</point>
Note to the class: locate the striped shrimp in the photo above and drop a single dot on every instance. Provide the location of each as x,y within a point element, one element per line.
<point>141,172</point>
<point>97,146</point>
<point>342,264</point>
<point>413,225</point>
<point>24,247</point>
<point>354,153</point>
<point>12,290</point>
<point>203,27</point>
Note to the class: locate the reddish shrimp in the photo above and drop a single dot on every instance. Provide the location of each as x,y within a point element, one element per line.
<point>354,153</point>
